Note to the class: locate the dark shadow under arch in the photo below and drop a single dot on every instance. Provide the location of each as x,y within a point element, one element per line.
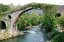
<point>9,16</point>
<point>2,25</point>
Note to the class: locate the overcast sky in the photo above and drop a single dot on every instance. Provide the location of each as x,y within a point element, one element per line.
<point>23,2</point>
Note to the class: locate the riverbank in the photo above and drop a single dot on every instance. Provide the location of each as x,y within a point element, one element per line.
<point>10,33</point>
<point>32,35</point>
<point>5,34</point>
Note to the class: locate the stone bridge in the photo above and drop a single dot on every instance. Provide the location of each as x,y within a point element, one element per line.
<point>11,19</point>
<point>9,23</point>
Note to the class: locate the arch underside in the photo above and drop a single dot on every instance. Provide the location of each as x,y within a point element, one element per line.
<point>2,25</point>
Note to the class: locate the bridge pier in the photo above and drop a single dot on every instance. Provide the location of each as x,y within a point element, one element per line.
<point>11,28</point>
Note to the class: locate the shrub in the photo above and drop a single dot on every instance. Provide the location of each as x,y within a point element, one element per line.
<point>34,19</point>
<point>48,22</point>
<point>3,8</point>
<point>58,38</point>
<point>49,18</point>
<point>28,20</point>
<point>53,34</point>
<point>22,22</point>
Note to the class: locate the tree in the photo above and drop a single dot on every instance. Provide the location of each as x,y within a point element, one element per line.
<point>4,8</point>
<point>48,19</point>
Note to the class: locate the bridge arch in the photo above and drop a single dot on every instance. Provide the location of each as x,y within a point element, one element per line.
<point>2,25</point>
<point>26,8</point>
<point>23,11</point>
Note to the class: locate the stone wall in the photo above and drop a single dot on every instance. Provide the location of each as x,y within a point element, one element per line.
<point>61,10</point>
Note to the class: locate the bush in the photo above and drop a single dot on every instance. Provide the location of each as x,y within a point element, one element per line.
<point>48,22</point>
<point>58,38</point>
<point>22,22</point>
<point>53,34</point>
<point>60,21</point>
<point>34,19</point>
<point>4,8</point>
<point>49,18</point>
<point>28,20</point>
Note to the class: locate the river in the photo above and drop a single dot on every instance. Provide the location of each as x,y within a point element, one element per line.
<point>33,35</point>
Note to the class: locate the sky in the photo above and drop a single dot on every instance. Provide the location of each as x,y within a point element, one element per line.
<point>23,2</point>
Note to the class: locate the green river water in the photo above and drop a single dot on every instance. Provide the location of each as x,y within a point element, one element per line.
<point>33,35</point>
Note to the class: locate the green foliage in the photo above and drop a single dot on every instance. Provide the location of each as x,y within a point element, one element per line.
<point>3,8</point>
<point>28,20</point>
<point>60,20</point>
<point>34,19</point>
<point>59,37</point>
<point>6,9</point>
<point>49,18</point>
<point>53,34</point>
